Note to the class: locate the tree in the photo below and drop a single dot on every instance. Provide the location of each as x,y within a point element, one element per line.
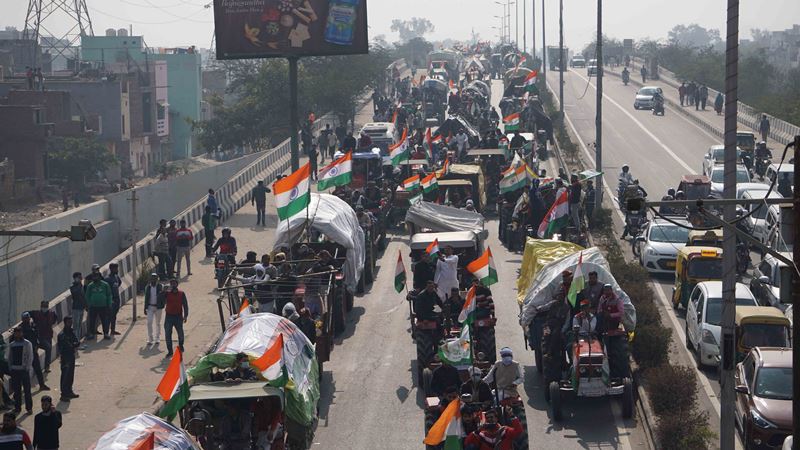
<point>77,159</point>
<point>415,51</point>
<point>694,35</point>
<point>412,28</point>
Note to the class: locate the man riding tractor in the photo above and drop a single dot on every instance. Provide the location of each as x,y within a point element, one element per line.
<point>492,435</point>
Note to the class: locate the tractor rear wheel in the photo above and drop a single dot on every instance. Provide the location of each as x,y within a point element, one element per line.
<point>338,311</point>
<point>627,398</point>
<point>537,356</point>
<point>486,343</point>
<point>427,379</point>
<point>425,352</point>
<point>555,401</point>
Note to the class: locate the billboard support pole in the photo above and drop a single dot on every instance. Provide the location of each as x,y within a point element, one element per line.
<point>293,125</point>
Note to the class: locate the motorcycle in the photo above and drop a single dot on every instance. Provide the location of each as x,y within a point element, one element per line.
<point>621,187</point>
<point>634,225</point>
<point>761,166</point>
<point>626,77</point>
<point>658,108</point>
<point>743,259</point>
<point>222,268</point>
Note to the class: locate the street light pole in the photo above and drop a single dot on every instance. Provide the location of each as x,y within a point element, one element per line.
<point>524,26</point>
<point>533,28</point>
<point>544,50</point>
<point>727,438</point>
<point>598,121</point>
<point>561,63</point>
<point>516,19</point>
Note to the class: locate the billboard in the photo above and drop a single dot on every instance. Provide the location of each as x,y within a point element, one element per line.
<point>281,28</point>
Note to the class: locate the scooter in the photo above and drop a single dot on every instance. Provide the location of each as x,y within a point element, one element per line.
<point>626,78</point>
<point>761,167</point>
<point>658,108</point>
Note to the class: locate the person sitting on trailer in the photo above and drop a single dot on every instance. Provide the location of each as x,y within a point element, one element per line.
<point>425,302</point>
<point>235,427</point>
<point>241,370</point>
<point>480,392</point>
<point>492,435</point>
<point>452,305</point>
<point>506,375</point>
<point>313,299</point>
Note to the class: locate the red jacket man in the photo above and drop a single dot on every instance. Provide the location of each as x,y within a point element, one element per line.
<point>493,436</point>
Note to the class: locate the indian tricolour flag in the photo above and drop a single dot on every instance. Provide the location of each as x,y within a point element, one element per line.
<point>557,217</point>
<point>447,428</point>
<point>433,249</point>
<point>468,310</point>
<point>271,363</point>
<point>445,168</point>
<point>399,152</point>
<point>399,274</point>
<point>530,81</point>
<point>578,282</point>
<point>429,183</point>
<point>483,268</point>
<point>337,173</point>
<point>456,352</point>
<point>245,311</point>
<point>411,184</point>
<point>514,178</point>
<point>174,387</point>
<point>292,193</point>
<point>511,122</point>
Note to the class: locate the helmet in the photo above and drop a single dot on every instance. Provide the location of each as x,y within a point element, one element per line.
<point>625,167</point>
<point>680,194</point>
<point>671,192</point>
<point>226,230</point>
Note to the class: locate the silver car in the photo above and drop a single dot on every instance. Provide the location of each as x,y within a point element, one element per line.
<point>644,97</point>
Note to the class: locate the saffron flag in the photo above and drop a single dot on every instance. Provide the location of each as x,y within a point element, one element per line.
<point>148,443</point>
<point>399,274</point>
<point>411,184</point>
<point>514,178</point>
<point>271,363</point>
<point>467,311</point>
<point>292,193</point>
<point>578,282</point>
<point>174,387</point>
<point>337,173</point>
<point>483,268</point>
<point>399,152</point>
<point>511,122</point>
<point>556,218</point>
<point>448,428</point>
<point>530,81</point>
<point>429,183</point>
<point>245,309</point>
<point>445,168</point>
<point>433,249</point>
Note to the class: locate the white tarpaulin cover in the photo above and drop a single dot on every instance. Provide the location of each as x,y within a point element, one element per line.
<point>133,430</point>
<point>546,283</point>
<point>252,335</point>
<point>441,218</point>
<point>334,218</point>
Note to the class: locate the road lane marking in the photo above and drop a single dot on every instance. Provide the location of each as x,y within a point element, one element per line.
<point>641,125</point>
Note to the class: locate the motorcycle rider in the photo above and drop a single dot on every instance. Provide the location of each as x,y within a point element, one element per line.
<point>625,177</point>
<point>492,435</point>
<point>226,245</point>
<point>626,76</point>
<point>493,116</point>
<point>763,157</point>
<point>658,103</point>
<point>667,210</point>
<point>631,192</point>
<point>506,375</point>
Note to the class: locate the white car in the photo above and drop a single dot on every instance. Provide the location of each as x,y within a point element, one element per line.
<point>644,97</point>
<point>659,243</point>
<point>717,176</point>
<point>716,155</point>
<point>704,318</point>
<point>741,188</point>
<point>757,221</point>
<point>578,61</point>
<point>591,67</point>
<point>780,170</point>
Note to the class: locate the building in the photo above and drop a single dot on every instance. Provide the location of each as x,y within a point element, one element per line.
<point>180,96</point>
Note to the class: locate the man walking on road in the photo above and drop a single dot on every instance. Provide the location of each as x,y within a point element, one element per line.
<point>764,127</point>
<point>98,298</point>
<point>176,308</point>
<point>183,243</point>
<point>78,302</point>
<point>114,282</point>
<point>67,344</point>
<point>323,140</point>
<point>46,425</point>
<point>259,199</point>
<point>12,436</point>
<point>19,355</point>
<point>154,303</point>
<point>31,335</point>
<point>682,92</point>
<point>703,96</point>
<point>209,221</point>
<point>44,319</point>
<point>643,71</point>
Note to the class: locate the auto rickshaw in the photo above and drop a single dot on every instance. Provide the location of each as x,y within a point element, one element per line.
<point>466,176</point>
<point>695,187</point>
<point>746,140</point>
<point>708,238</point>
<point>760,326</point>
<point>693,265</point>
<point>367,166</point>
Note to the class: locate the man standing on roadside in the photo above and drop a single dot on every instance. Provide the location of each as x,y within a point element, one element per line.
<point>98,298</point>
<point>323,140</point>
<point>154,303</point>
<point>211,202</point>
<point>46,425</point>
<point>44,319</point>
<point>77,291</point>
<point>703,96</point>
<point>575,191</point>
<point>259,199</point>
<point>114,282</point>
<point>31,335</point>
<point>12,436</point>
<point>67,344</point>
<point>176,308</point>
<point>682,92</point>
<point>764,127</point>
<point>183,243</point>
<point>19,354</point>
<point>209,221</point>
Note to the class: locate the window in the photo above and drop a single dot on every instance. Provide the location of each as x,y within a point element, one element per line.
<point>749,367</point>
<point>765,269</point>
<point>147,113</point>
<point>774,383</point>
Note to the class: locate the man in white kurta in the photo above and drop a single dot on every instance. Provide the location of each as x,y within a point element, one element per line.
<point>446,276</point>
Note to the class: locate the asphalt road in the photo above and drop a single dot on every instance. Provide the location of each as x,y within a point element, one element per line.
<point>659,150</point>
<point>370,395</point>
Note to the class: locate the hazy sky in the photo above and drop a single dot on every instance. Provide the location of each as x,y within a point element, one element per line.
<point>186,22</point>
